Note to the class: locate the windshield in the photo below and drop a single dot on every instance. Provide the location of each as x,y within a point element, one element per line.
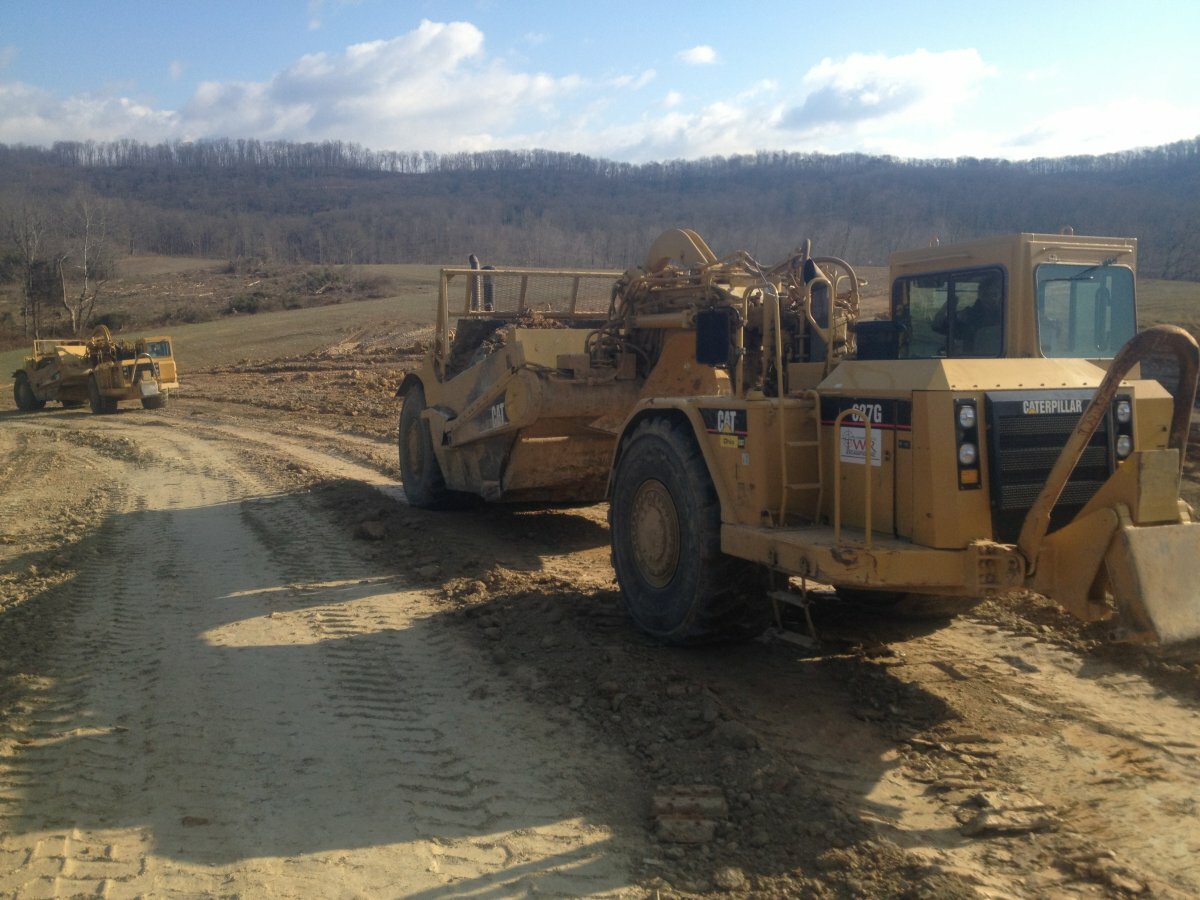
<point>158,349</point>
<point>1084,312</point>
<point>950,314</point>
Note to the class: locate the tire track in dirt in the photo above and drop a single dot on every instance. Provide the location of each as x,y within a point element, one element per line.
<point>407,681</point>
<point>1070,729</point>
<point>72,756</point>
<point>245,706</point>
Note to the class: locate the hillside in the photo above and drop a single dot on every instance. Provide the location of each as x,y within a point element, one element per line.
<point>340,204</point>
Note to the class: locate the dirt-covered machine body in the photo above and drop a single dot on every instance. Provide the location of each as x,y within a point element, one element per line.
<point>100,371</point>
<point>506,405</point>
<point>987,432</point>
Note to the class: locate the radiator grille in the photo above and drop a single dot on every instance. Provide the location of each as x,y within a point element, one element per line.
<point>1022,449</point>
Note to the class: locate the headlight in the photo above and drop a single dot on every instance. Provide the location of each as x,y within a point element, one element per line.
<point>967,454</point>
<point>1124,411</point>
<point>966,416</point>
<point>1124,446</point>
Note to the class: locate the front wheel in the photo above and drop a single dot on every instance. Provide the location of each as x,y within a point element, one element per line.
<point>23,395</point>
<point>424,484</point>
<point>97,401</point>
<point>665,520</point>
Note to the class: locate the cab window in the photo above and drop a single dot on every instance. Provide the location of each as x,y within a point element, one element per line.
<point>1084,312</point>
<point>158,349</point>
<point>950,314</point>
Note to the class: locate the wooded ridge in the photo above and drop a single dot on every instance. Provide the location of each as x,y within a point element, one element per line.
<point>336,202</point>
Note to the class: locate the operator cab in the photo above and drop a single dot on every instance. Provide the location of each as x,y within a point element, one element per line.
<point>964,303</point>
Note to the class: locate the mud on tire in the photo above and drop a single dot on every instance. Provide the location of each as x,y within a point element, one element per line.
<point>23,395</point>
<point>665,520</point>
<point>97,401</point>
<point>424,484</point>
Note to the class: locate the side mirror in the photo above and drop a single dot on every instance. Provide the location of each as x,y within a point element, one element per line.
<point>714,332</point>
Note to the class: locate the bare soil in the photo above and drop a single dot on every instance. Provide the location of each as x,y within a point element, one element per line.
<point>233,662</point>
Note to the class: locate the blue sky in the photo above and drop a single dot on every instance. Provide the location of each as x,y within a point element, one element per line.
<point>621,80</point>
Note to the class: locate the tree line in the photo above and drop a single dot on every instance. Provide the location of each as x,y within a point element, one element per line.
<point>337,202</point>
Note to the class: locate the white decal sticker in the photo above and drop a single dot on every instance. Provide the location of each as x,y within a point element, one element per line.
<point>854,444</point>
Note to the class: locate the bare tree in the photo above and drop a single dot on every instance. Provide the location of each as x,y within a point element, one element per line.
<point>28,230</point>
<point>87,251</point>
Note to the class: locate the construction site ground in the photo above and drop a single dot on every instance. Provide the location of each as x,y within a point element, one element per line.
<point>234,662</point>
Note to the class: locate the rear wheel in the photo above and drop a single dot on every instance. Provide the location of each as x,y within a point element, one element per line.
<point>665,520</point>
<point>24,396</point>
<point>424,484</point>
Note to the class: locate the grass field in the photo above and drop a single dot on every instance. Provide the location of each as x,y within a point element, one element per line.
<point>293,332</point>
<point>411,301</point>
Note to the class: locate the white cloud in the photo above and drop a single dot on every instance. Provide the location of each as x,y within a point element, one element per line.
<point>919,86</point>
<point>758,89</point>
<point>8,56</point>
<point>176,69</point>
<point>1092,130</point>
<point>702,55</point>
<point>436,88</point>
<point>634,82</point>
<point>430,89</point>
<point>31,115</point>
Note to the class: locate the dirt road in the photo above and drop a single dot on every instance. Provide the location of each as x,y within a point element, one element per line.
<point>235,663</point>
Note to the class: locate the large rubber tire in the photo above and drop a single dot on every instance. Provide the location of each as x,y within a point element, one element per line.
<point>157,401</point>
<point>97,401</point>
<point>24,396</point>
<point>424,484</point>
<point>665,521</point>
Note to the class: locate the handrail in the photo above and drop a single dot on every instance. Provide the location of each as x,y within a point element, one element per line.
<point>816,401</point>
<point>443,322</point>
<point>837,473</point>
<point>474,277</point>
<point>780,392</point>
<point>1159,339</point>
